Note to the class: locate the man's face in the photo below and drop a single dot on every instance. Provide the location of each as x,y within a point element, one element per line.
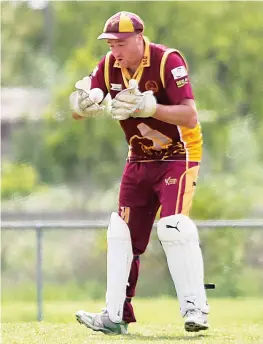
<point>126,51</point>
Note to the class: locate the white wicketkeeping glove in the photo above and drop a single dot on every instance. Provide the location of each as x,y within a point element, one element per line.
<point>133,103</point>
<point>88,102</point>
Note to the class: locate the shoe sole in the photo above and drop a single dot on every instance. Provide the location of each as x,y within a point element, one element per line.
<point>192,326</point>
<point>94,328</point>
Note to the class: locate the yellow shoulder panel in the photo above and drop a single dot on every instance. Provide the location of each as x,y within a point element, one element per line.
<point>163,61</point>
<point>106,71</point>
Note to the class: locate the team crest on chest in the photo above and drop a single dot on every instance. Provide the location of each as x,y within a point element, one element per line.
<point>151,85</point>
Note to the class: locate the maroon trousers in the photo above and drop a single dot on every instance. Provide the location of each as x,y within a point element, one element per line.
<point>145,187</point>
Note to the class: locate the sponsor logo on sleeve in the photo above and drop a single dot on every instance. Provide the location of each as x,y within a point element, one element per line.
<point>179,72</point>
<point>181,82</point>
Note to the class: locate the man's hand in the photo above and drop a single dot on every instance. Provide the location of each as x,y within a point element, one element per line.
<point>86,102</point>
<point>133,103</point>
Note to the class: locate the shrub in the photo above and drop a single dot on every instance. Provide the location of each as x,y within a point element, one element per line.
<point>18,180</point>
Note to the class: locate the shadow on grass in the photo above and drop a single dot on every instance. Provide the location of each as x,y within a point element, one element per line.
<point>145,338</point>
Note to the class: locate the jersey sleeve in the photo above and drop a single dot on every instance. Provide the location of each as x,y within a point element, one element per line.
<point>177,84</point>
<point>97,77</point>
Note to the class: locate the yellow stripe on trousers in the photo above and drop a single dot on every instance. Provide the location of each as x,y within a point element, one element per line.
<point>190,175</point>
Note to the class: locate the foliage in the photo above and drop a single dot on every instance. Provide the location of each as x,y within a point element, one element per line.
<point>220,67</point>
<point>18,180</point>
<point>69,258</point>
<point>222,44</point>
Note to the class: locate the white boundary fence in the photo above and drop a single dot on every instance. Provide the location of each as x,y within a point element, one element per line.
<point>40,227</point>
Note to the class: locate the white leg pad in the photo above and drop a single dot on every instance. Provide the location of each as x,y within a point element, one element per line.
<point>179,237</point>
<point>119,259</point>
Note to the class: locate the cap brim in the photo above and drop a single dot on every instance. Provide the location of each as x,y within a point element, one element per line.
<point>118,35</point>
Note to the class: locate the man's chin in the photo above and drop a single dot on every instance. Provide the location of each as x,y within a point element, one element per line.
<point>123,64</point>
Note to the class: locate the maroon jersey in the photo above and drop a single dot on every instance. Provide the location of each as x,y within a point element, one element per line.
<point>164,71</point>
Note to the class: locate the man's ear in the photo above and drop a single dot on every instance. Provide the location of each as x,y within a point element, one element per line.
<point>139,37</point>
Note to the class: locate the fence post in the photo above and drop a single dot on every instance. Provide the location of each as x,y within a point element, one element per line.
<point>39,272</point>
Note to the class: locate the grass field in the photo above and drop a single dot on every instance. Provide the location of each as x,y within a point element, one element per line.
<point>232,321</point>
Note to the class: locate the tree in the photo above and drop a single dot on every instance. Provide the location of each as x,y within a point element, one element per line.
<point>221,46</point>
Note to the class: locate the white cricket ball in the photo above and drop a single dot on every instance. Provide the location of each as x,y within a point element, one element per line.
<point>96,95</point>
<point>133,83</point>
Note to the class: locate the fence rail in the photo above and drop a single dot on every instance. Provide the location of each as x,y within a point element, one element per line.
<point>41,226</point>
<point>97,224</point>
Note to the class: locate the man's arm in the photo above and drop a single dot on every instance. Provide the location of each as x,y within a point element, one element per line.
<point>182,108</point>
<point>184,114</point>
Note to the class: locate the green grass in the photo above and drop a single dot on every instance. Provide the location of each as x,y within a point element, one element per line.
<point>232,321</point>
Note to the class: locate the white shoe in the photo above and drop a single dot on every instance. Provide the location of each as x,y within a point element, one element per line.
<point>195,320</point>
<point>101,322</point>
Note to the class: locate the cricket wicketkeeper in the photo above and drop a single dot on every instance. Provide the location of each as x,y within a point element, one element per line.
<point>145,86</point>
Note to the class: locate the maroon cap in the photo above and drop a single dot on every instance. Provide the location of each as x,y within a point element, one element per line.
<point>122,25</point>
